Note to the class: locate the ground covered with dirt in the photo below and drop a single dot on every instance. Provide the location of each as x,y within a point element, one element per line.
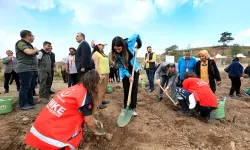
<point>157,126</point>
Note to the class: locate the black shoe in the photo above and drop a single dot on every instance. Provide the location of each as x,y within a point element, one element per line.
<point>51,92</point>
<point>159,99</point>
<point>104,102</point>
<point>186,114</point>
<point>232,96</point>
<point>6,91</point>
<point>101,106</point>
<point>239,95</point>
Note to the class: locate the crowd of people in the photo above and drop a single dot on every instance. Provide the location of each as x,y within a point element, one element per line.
<point>60,124</point>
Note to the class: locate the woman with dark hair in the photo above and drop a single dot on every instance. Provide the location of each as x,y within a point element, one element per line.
<point>196,94</point>
<point>123,54</point>
<point>71,67</point>
<point>102,67</point>
<point>236,75</point>
<point>59,125</point>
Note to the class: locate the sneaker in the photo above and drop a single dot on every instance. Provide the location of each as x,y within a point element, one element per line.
<point>134,113</point>
<point>239,95</point>
<point>159,99</point>
<point>152,91</point>
<point>232,96</point>
<point>104,102</point>
<point>101,106</point>
<point>27,107</point>
<point>6,91</point>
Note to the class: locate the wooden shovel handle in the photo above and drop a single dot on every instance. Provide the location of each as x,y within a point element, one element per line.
<point>168,95</point>
<point>131,84</point>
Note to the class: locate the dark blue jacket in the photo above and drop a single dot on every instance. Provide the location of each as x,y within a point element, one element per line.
<point>236,69</point>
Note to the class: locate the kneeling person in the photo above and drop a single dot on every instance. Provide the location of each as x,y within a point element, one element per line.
<point>166,74</point>
<point>196,94</point>
<point>59,124</point>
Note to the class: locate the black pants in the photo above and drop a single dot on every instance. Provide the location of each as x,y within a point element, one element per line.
<point>126,85</point>
<point>64,76</point>
<point>7,77</point>
<point>81,74</point>
<point>72,79</point>
<point>52,76</point>
<point>236,83</point>
<point>183,98</point>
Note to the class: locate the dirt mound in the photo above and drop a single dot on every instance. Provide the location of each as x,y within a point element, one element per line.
<point>157,126</point>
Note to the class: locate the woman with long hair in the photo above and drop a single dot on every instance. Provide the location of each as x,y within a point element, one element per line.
<point>123,54</point>
<point>102,67</point>
<point>59,125</point>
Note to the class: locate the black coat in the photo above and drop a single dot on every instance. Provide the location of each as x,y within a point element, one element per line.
<point>83,57</point>
<point>213,73</point>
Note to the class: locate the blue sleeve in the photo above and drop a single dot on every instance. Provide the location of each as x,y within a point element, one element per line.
<point>124,71</point>
<point>135,38</point>
<point>240,70</point>
<point>87,106</point>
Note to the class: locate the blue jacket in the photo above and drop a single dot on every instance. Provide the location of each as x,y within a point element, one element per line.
<point>131,44</point>
<point>236,69</point>
<point>182,66</point>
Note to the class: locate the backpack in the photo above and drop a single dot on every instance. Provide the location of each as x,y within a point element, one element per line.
<point>247,70</point>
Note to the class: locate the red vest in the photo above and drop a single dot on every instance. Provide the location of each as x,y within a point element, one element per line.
<point>59,124</point>
<point>202,92</point>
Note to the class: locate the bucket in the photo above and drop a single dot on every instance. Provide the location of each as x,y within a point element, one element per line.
<point>143,84</point>
<point>220,112</point>
<point>109,89</point>
<point>6,104</point>
<point>248,91</point>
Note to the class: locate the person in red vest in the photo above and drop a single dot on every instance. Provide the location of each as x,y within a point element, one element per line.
<point>59,125</point>
<point>196,95</point>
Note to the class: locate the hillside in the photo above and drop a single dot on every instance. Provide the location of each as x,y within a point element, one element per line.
<point>161,57</point>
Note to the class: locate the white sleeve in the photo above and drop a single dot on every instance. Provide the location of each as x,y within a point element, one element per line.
<point>67,60</point>
<point>192,102</point>
<point>40,55</point>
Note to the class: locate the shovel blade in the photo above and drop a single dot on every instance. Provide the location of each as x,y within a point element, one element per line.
<point>124,117</point>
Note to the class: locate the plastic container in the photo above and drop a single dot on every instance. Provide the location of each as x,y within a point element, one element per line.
<point>143,84</point>
<point>220,112</point>
<point>109,88</point>
<point>6,104</point>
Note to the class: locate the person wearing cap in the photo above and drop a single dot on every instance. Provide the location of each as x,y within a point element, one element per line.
<point>207,70</point>
<point>166,74</point>
<point>102,66</point>
<point>10,71</point>
<point>236,75</point>
<point>186,64</point>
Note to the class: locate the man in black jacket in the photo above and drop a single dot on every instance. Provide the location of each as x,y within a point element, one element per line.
<point>83,59</point>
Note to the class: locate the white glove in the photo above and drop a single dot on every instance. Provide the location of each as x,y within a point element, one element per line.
<point>192,102</point>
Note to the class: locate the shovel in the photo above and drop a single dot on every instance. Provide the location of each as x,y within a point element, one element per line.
<point>126,114</point>
<point>168,96</point>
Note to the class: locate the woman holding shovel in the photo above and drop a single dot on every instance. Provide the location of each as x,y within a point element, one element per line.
<point>59,124</point>
<point>123,54</point>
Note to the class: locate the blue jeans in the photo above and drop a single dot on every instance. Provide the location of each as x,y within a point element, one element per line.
<point>27,80</point>
<point>151,79</point>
